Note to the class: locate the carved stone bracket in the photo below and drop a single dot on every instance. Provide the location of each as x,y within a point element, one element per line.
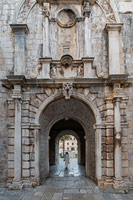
<point>67,90</point>
<point>86,9</point>
<point>46,12</point>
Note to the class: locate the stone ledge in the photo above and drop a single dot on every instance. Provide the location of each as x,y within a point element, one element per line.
<point>115,78</point>
<point>19,28</point>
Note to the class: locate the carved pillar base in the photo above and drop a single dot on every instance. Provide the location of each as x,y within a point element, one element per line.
<point>24,183</point>
<point>119,184</point>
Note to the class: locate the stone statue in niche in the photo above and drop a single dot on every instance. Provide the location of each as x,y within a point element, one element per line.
<point>53,71</point>
<point>80,70</point>
<point>36,72</point>
<point>67,90</point>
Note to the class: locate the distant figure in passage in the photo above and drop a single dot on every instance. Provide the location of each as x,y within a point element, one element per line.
<point>66,159</point>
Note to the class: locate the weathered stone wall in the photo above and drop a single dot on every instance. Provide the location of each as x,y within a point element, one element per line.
<point>130,132</point>
<point>3,135</point>
<point>127,39</point>
<point>7,10</point>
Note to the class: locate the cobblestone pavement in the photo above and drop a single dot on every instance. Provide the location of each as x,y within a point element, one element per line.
<point>65,188</point>
<point>66,185</point>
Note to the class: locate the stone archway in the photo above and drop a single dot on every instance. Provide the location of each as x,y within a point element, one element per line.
<point>58,109</point>
<point>61,134</point>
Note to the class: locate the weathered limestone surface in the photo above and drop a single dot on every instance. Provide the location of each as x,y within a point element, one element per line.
<point>53,34</point>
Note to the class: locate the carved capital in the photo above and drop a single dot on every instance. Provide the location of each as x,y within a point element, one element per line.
<point>46,10</point>
<point>86,9</point>
<point>67,90</point>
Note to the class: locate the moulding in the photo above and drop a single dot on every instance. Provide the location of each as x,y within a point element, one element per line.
<point>19,28</point>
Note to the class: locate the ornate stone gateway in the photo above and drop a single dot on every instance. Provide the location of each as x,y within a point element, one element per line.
<point>69,79</point>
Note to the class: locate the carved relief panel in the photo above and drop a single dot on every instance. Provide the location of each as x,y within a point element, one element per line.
<point>67,68</point>
<point>65,31</point>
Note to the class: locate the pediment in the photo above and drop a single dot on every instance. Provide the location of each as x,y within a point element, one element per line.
<point>66,2</point>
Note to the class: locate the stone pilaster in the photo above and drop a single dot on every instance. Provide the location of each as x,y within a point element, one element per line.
<point>114,48</point>
<point>17,96</point>
<point>46,44</point>
<point>117,127</point>
<point>98,150</point>
<point>87,11</point>
<point>20,31</point>
<point>87,170</point>
<point>37,132</point>
<point>36,128</point>
<point>109,114</point>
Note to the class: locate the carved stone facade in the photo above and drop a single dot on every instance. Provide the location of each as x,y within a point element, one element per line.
<point>61,68</point>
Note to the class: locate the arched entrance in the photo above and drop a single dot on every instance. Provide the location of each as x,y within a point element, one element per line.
<point>80,110</point>
<point>61,128</point>
<point>80,153</point>
<point>53,120</point>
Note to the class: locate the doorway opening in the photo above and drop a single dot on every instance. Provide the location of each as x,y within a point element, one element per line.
<point>62,118</point>
<point>67,135</point>
<point>68,144</point>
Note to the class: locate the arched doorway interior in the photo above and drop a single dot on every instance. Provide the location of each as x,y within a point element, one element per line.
<point>59,140</point>
<point>54,117</point>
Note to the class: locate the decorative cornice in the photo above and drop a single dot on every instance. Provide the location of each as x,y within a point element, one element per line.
<point>118,78</point>
<point>113,26</point>
<point>77,82</point>
<point>19,28</point>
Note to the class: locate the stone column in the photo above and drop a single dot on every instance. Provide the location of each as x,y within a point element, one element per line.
<point>18,134</point>
<point>37,150</point>
<point>46,157</point>
<point>98,150</point>
<point>46,44</point>
<point>87,165</point>
<point>114,47</point>
<point>87,50</point>
<point>20,48</point>
<point>117,127</point>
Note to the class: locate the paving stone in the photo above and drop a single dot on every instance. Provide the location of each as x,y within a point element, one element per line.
<point>88,197</point>
<point>59,190</point>
<point>27,198</point>
<point>82,191</point>
<point>36,198</point>
<point>72,191</point>
<point>67,197</point>
<point>98,196</point>
<point>57,196</point>
<point>39,193</point>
